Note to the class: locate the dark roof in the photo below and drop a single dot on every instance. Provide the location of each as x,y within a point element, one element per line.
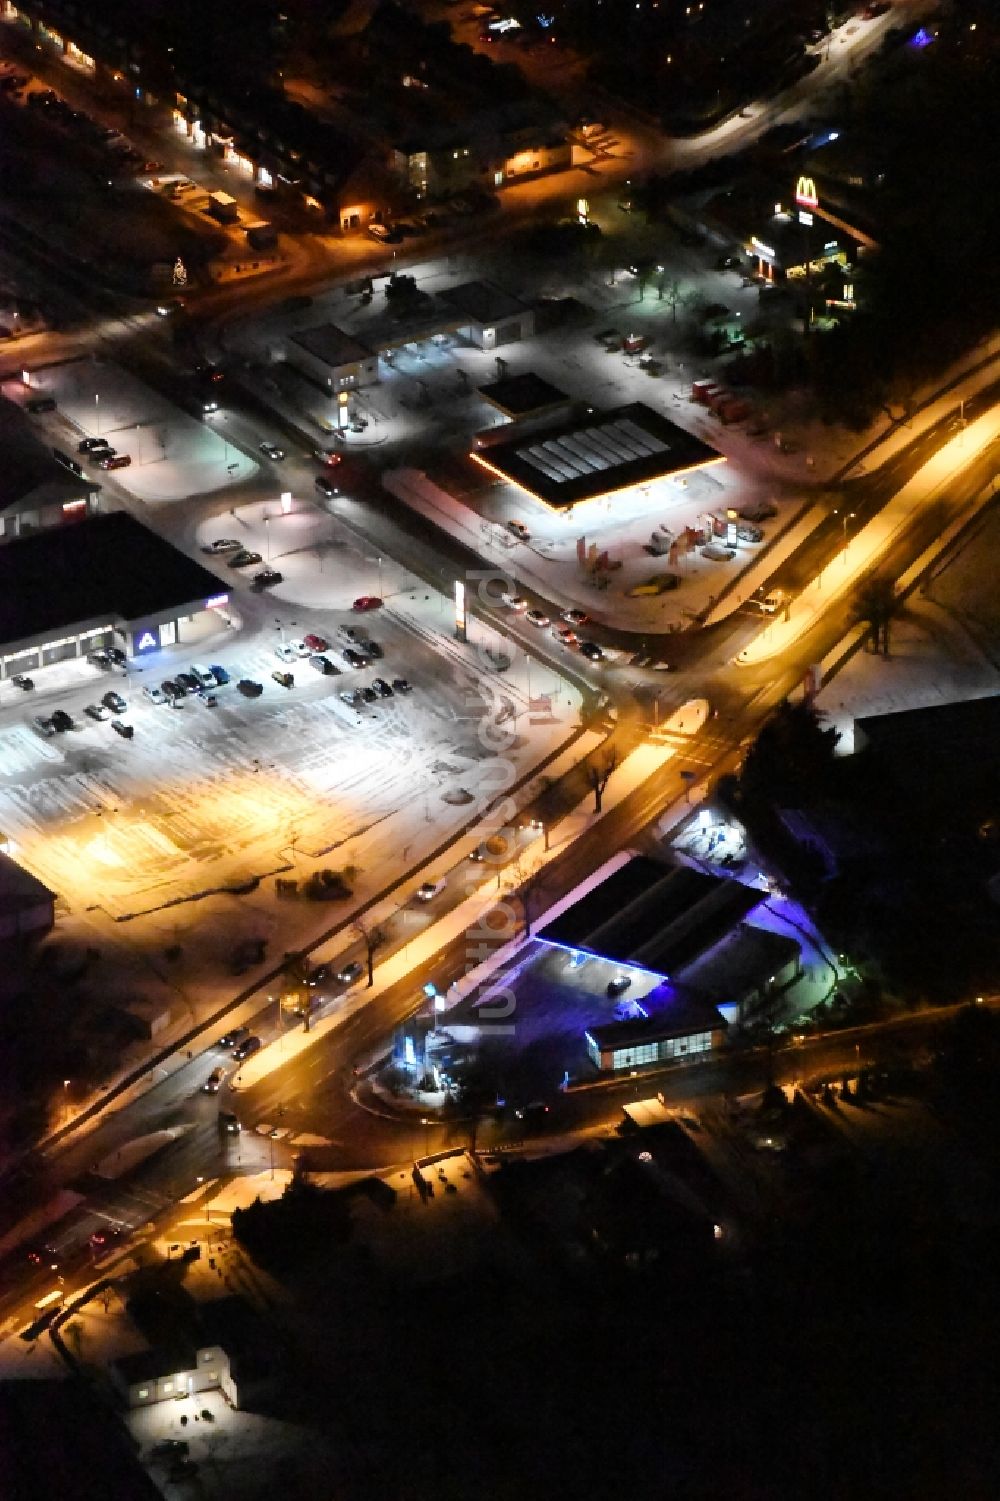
<point>670,1015</point>
<point>742,961</point>
<point>519,395</point>
<point>331,344</point>
<point>106,566</point>
<point>28,468</point>
<point>58,1440</point>
<point>936,741</point>
<point>655,917</point>
<point>19,888</point>
<point>481,302</point>
<point>607,451</point>
<point>155,1363</point>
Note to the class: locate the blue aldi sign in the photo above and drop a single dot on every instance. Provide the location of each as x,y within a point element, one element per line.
<point>147,640</point>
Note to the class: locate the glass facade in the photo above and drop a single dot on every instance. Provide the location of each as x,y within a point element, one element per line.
<point>660,1050</point>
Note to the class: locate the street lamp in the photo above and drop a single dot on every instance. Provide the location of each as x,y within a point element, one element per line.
<point>267,534</point>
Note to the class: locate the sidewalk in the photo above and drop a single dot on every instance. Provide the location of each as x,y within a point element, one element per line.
<point>864,550</point>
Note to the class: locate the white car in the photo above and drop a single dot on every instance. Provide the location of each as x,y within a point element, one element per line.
<point>299,648</point>
<point>155,695</point>
<point>538,617</point>
<point>514,602</point>
<point>770,604</point>
<point>575,617</point>
<point>204,675</point>
<point>285,653</point>
<point>223,544</point>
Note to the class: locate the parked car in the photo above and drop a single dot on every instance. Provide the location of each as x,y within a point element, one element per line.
<point>220,674</point>
<point>92,445</point>
<point>171,690</point>
<point>367,602</point>
<point>244,559</point>
<point>267,578</point>
<point>62,721</point>
<point>114,702</point>
<point>189,682</point>
<point>231,1039</point>
<point>247,1048</point>
<point>402,685</point>
<point>314,642</point>
<point>272,451</point>
<point>372,649</point>
<point>97,711</point>
<point>120,727</point>
<point>354,657</point>
<point>250,688</point>
<point>39,404</point>
<point>386,234</point>
<point>619,985</point>
<point>43,725</point>
<point>283,679</point>
<point>284,652</point>
<point>382,688</point>
<point>350,973</point>
<point>591,651</point>
<point>114,460</point>
<point>299,648</point>
<point>22,682</point>
<point>224,544</point>
<point>155,695</point>
<point>203,676</point>
<point>118,657</point>
<point>170,1448</point>
<point>351,696</point>
<point>322,664</point>
<point>99,658</point>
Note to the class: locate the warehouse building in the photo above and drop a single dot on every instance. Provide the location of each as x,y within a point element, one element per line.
<point>108,581</point>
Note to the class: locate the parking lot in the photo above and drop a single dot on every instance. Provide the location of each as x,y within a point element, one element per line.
<point>211,797</point>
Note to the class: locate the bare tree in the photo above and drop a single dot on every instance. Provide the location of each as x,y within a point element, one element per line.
<point>598,778</point>
<point>373,939</point>
<point>671,294</point>
<point>525,881</point>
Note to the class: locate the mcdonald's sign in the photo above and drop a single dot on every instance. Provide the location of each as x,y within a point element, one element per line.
<point>806,195</point>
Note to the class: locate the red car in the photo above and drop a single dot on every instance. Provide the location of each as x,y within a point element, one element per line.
<point>367,602</point>
<point>316,643</point>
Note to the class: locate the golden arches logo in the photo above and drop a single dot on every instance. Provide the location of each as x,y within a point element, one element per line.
<point>806,195</point>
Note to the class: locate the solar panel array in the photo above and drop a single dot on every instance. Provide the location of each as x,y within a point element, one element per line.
<point>573,456</point>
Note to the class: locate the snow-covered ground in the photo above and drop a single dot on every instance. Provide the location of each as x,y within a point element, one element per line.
<point>173,454</point>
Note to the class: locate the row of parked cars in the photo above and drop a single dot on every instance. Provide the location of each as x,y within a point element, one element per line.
<point>199,679</point>
<point>103,454</point>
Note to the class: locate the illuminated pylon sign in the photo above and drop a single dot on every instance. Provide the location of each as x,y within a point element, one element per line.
<point>180,273</point>
<point>806,195</point>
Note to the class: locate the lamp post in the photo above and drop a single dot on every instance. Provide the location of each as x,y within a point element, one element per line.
<point>267,534</point>
<point>97,414</point>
